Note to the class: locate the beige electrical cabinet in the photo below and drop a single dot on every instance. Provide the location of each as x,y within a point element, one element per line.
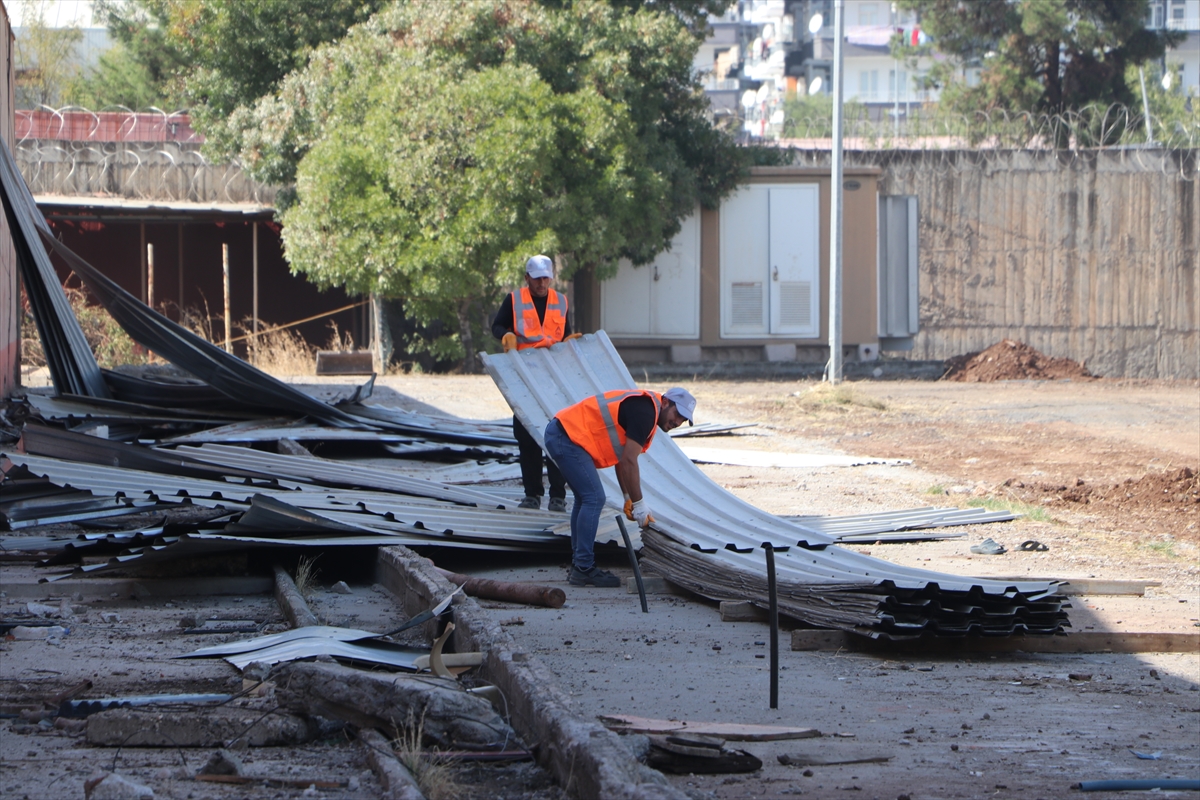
<point>749,281</point>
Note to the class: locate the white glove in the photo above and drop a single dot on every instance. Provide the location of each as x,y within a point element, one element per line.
<point>641,512</point>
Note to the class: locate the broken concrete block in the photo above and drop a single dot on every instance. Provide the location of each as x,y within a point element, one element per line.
<point>42,610</point>
<point>31,634</point>
<point>222,762</point>
<point>209,727</point>
<point>340,587</point>
<point>451,717</point>
<point>112,786</point>
<point>110,616</point>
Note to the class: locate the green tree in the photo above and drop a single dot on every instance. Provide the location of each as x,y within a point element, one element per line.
<point>46,63</point>
<point>438,145</point>
<point>145,66</point>
<point>1048,57</point>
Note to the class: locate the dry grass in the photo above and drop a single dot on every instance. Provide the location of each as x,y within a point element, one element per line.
<point>109,342</point>
<point>306,575</point>
<point>435,776</point>
<point>824,396</point>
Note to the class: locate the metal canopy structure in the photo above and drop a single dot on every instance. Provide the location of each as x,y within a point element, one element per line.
<point>723,536</point>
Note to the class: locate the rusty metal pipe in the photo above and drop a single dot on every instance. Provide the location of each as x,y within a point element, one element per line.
<point>531,594</point>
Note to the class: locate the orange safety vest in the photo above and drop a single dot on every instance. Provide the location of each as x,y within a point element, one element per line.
<point>592,424</point>
<point>532,332</point>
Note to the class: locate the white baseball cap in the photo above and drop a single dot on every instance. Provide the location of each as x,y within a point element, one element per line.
<point>685,404</point>
<point>539,267</point>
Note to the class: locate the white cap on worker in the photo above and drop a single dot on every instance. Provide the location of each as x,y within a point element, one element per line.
<point>683,400</point>
<point>539,267</point>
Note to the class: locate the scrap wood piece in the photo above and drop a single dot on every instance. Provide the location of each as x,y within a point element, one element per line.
<point>697,756</point>
<point>731,731</point>
<point>801,760</point>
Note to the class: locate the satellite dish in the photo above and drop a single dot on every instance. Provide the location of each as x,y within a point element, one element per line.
<point>1166,81</point>
<point>749,99</point>
<point>815,23</point>
<point>763,93</point>
<point>778,117</point>
<point>815,86</point>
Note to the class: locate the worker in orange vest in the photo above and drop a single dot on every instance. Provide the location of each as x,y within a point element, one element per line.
<point>535,316</point>
<point>609,430</point>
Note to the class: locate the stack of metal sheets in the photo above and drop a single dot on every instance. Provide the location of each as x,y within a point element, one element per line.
<point>723,536</point>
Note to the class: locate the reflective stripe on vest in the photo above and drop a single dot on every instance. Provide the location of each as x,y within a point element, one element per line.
<point>592,424</point>
<point>532,332</point>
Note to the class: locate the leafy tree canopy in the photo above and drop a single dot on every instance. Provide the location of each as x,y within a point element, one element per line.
<point>1041,56</point>
<point>436,146</point>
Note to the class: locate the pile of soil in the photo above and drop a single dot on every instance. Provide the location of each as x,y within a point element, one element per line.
<point>1149,498</point>
<point>1008,360</point>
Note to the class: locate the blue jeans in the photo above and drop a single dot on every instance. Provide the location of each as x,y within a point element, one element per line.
<point>581,473</point>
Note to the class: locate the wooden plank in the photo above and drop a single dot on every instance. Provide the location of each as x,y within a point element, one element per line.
<point>730,731</point>
<point>741,611</point>
<point>1085,586</point>
<point>1080,642</point>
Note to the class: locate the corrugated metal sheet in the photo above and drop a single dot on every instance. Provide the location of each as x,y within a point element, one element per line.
<point>701,516</point>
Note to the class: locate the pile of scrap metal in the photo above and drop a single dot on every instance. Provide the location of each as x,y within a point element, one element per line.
<point>709,541</point>
<point>109,444</point>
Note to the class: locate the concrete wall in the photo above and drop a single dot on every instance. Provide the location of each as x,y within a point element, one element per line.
<point>1089,255</point>
<point>10,297</point>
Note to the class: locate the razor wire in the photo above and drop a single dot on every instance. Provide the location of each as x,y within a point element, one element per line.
<point>118,152</point>
<point>956,142</point>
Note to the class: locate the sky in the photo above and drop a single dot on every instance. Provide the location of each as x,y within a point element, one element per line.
<point>55,13</point>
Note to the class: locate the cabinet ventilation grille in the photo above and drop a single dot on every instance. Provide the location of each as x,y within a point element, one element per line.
<point>747,299</point>
<point>795,304</point>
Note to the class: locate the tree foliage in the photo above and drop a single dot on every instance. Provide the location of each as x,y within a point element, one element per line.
<point>436,146</point>
<point>1055,57</point>
<point>45,66</point>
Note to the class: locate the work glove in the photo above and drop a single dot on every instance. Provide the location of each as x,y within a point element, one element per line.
<point>628,507</point>
<point>641,512</point>
<point>509,341</point>
<point>572,336</point>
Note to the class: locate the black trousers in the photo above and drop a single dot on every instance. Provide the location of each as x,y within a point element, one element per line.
<point>531,465</point>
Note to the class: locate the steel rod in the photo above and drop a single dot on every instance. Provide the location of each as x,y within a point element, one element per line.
<point>773,620</point>
<point>637,571</point>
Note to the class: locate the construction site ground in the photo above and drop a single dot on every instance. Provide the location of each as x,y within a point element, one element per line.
<point>1020,725</point>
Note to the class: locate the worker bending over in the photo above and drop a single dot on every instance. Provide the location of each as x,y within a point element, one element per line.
<point>609,430</point>
<point>535,316</point>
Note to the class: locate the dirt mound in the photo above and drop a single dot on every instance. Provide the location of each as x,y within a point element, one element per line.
<point>1008,360</point>
<point>1154,498</point>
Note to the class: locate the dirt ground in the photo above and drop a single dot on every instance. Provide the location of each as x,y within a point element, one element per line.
<point>1098,467</point>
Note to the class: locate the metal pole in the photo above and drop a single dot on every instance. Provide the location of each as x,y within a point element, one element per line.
<point>228,322</point>
<point>633,562</point>
<point>773,620</point>
<point>150,275</point>
<point>834,371</point>
<point>1146,108</point>
<point>254,309</point>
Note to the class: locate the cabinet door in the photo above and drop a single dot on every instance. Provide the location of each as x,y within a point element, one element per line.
<point>625,301</point>
<point>661,298</point>
<point>794,256</point>
<point>675,284</point>
<point>745,251</point>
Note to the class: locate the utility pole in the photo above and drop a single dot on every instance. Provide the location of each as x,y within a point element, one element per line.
<point>834,371</point>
